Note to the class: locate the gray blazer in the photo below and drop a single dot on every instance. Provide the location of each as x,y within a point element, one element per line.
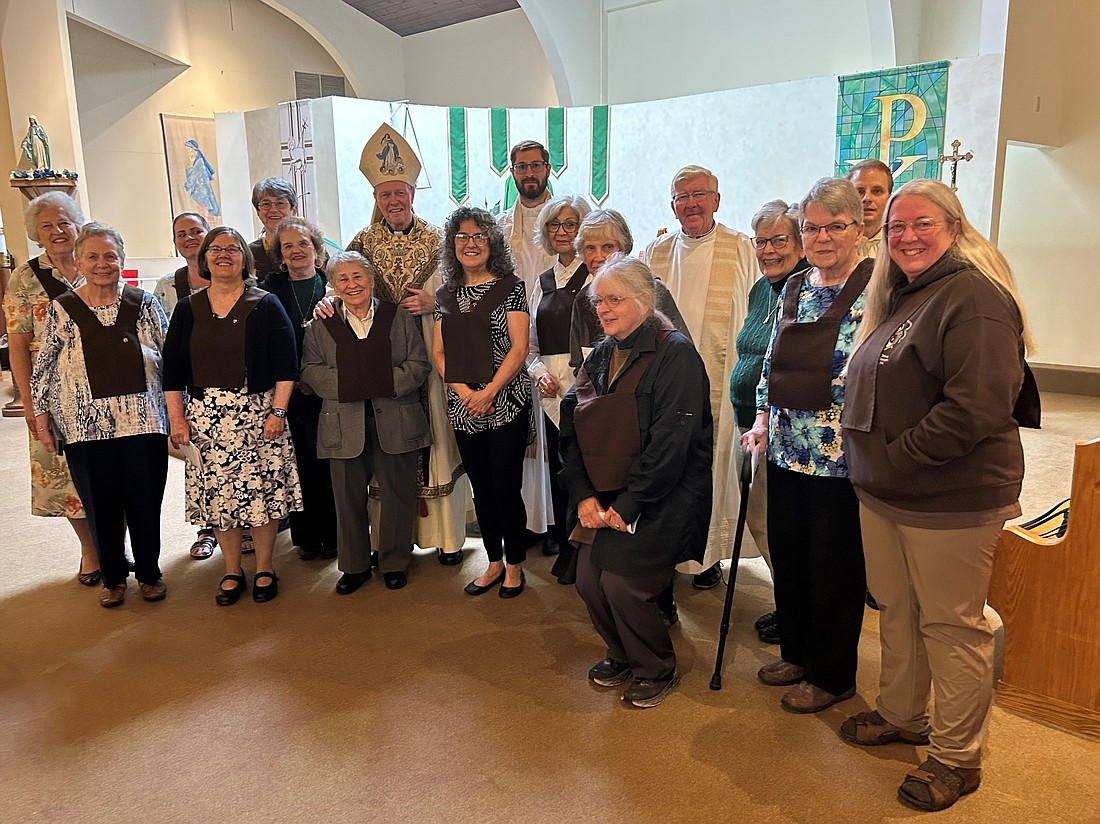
<point>402,421</point>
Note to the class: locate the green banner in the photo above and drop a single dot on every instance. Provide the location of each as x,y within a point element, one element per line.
<point>460,179</point>
<point>498,140</point>
<point>601,142</point>
<point>896,116</point>
<point>555,139</point>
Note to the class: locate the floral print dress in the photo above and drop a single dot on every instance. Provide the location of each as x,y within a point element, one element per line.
<point>26,305</point>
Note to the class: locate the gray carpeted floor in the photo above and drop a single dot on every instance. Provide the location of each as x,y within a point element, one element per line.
<point>426,705</point>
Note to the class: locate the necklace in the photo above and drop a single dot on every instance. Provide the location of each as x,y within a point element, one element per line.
<point>313,298</point>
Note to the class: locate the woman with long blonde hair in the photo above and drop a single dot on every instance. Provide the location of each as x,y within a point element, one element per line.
<point>935,456</point>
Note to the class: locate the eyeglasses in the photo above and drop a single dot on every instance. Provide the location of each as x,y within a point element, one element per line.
<point>684,197</point>
<point>921,226</point>
<point>569,225</point>
<point>223,250</point>
<point>831,229</point>
<point>536,167</point>
<point>280,203</point>
<point>611,300</point>
<point>778,242</point>
<point>479,238</point>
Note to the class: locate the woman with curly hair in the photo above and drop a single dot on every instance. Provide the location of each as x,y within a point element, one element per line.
<point>480,353</point>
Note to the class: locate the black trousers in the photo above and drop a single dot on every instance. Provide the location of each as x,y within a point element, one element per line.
<point>494,465</point>
<point>121,484</point>
<point>624,612</point>
<point>315,526</point>
<point>820,580</point>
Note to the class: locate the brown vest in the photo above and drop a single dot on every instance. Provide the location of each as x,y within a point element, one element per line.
<point>468,336</point>
<point>555,310</point>
<point>112,354</point>
<point>218,344</point>
<point>364,366</point>
<point>54,286</point>
<point>802,354</point>
<point>607,425</point>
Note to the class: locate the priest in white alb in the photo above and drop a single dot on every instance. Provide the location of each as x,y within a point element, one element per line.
<point>709,269</point>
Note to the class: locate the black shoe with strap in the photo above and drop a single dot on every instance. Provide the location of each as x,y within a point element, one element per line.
<point>228,597</point>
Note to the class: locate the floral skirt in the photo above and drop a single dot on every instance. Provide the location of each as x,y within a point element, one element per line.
<point>245,480</point>
<point>52,492</point>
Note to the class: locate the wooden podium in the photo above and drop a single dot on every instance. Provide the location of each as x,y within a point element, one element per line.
<point>1047,592</point>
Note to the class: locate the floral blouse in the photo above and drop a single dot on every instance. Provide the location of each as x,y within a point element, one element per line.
<point>60,380</point>
<point>516,396</point>
<point>808,440</point>
<point>26,302</point>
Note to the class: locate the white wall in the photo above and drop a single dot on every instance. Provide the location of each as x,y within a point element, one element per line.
<point>668,48</point>
<point>159,26</point>
<point>369,54</point>
<point>949,29</point>
<point>1050,211</point>
<point>493,61</point>
<point>243,57</point>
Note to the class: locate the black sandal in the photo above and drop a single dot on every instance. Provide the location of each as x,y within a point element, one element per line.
<point>261,593</point>
<point>204,546</point>
<point>228,597</point>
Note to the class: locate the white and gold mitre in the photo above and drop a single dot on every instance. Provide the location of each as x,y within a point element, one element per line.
<point>388,156</point>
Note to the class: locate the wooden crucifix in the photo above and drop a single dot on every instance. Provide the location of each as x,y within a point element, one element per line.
<point>954,159</point>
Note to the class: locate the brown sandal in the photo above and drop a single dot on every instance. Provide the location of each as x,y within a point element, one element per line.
<point>869,729</point>
<point>934,786</point>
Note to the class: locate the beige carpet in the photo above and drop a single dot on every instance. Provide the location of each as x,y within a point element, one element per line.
<point>426,705</point>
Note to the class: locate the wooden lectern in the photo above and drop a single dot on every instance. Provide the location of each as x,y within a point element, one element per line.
<point>1047,592</point>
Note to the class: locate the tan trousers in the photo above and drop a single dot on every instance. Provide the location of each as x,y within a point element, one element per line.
<point>931,586</point>
<point>756,516</point>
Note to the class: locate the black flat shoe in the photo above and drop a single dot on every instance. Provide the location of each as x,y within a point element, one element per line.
<point>351,581</point>
<point>450,558</point>
<point>228,597</point>
<point>90,579</point>
<point>262,593</point>
<point>395,580</point>
<point>473,588</point>
<point>512,592</point>
<point>308,553</point>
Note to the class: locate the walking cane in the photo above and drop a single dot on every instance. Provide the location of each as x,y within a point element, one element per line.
<point>746,481</point>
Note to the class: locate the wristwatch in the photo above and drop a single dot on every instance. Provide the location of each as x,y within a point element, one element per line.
<point>278,413</point>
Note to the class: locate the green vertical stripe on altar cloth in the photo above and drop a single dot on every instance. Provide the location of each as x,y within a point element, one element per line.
<point>498,140</point>
<point>555,139</point>
<point>601,136</point>
<point>460,179</point>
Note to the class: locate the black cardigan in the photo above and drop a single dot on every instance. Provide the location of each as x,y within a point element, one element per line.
<point>270,354</point>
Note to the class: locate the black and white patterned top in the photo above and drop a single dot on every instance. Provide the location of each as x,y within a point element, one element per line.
<point>60,381</point>
<point>516,396</point>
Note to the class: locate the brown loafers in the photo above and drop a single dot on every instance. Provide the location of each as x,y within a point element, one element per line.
<point>112,597</point>
<point>806,698</point>
<point>153,592</point>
